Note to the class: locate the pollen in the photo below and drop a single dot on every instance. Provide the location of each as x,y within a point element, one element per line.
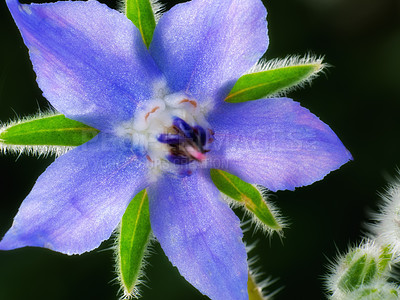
<point>192,102</point>
<point>151,112</point>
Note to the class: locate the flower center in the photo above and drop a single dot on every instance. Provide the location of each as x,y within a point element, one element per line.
<point>171,131</point>
<point>186,143</point>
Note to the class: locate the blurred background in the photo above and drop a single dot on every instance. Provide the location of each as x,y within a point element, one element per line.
<point>358,97</point>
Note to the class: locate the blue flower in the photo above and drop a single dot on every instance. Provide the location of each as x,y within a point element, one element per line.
<point>163,124</point>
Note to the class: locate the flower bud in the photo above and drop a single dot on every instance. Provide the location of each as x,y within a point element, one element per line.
<point>359,269</point>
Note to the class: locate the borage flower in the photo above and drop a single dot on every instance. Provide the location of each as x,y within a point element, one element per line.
<point>163,124</point>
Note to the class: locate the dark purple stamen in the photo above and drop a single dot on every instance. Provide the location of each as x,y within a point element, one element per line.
<point>183,127</point>
<point>201,134</point>
<point>186,143</point>
<point>170,139</point>
<point>179,160</point>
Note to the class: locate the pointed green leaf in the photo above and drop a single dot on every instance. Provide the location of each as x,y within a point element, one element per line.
<point>51,130</point>
<point>141,14</point>
<point>263,84</point>
<point>133,240</point>
<point>249,196</point>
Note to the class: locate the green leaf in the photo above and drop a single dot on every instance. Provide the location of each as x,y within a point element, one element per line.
<point>141,14</point>
<point>263,84</point>
<point>365,267</point>
<point>249,196</point>
<point>134,237</point>
<point>51,130</point>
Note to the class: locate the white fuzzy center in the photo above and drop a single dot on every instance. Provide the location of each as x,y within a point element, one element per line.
<point>155,117</point>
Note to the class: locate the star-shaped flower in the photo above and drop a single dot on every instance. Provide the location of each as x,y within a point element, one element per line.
<point>163,124</point>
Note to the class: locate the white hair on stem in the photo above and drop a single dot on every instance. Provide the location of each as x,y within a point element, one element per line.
<point>158,9</point>
<point>34,150</point>
<point>263,284</point>
<point>385,226</point>
<point>290,61</point>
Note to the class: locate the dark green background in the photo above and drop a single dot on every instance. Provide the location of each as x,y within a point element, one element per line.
<point>359,98</point>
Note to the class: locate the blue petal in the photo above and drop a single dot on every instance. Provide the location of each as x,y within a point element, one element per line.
<point>275,143</point>
<point>90,61</point>
<point>204,46</point>
<point>80,199</point>
<point>200,234</point>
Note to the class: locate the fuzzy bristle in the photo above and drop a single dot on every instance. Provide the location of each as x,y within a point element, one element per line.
<point>290,61</point>
<point>264,284</point>
<point>385,226</point>
<point>157,7</point>
<point>280,219</point>
<point>251,218</point>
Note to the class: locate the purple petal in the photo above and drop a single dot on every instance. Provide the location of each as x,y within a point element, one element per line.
<point>204,46</point>
<point>275,143</point>
<point>80,199</point>
<point>200,234</point>
<point>90,61</point>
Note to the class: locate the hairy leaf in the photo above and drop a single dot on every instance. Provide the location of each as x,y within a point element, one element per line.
<point>247,195</point>
<point>134,237</point>
<point>263,84</point>
<point>50,130</point>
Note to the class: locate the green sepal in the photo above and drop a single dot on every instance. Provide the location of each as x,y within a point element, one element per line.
<point>48,130</point>
<point>363,268</point>
<point>134,237</point>
<point>358,273</point>
<point>385,258</point>
<point>263,84</point>
<point>141,14</point>
<point>249,196</point>
<point>378,290</point>
<point>383,292</point>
